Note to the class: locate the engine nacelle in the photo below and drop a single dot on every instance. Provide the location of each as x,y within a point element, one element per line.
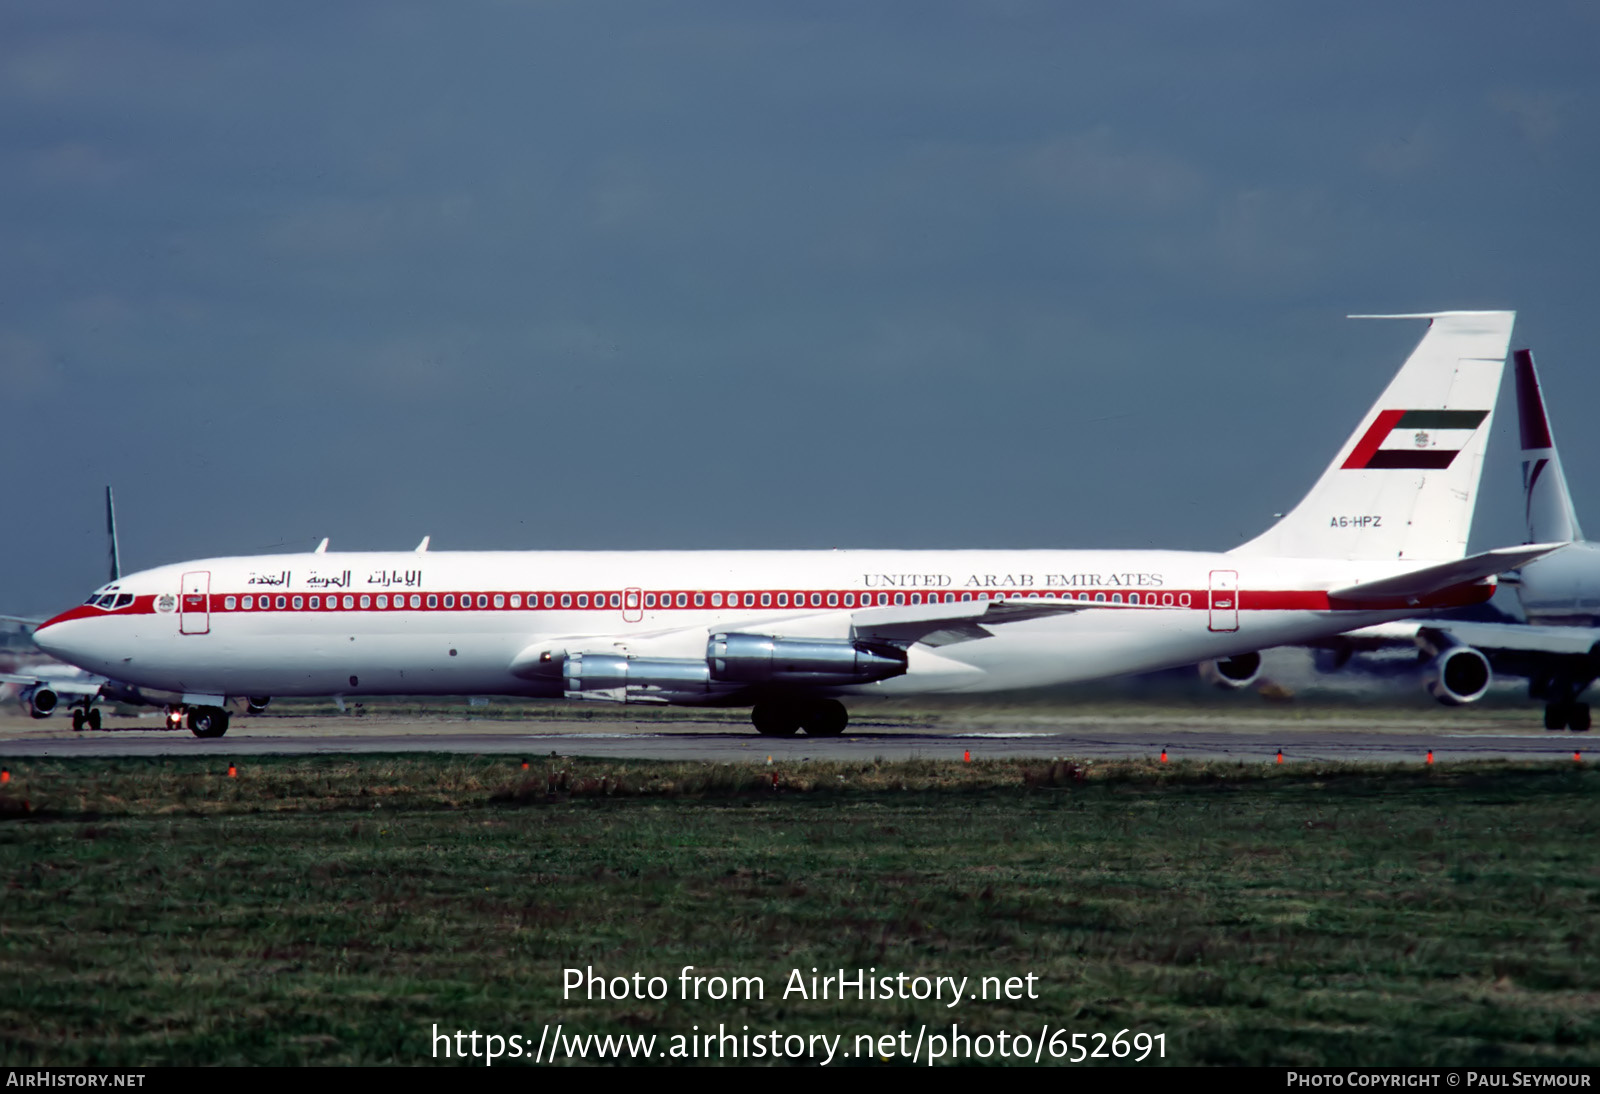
<point>1459,675</point>
<point>762,659</point>
<point>609,677</point>
<point>41,701</point>
<point>1239,671</point>
<point>257,704</point>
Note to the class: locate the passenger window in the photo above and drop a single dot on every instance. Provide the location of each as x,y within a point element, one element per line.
<point>299,602</point>
<point>483,600</point>
<point>416,601</point>
<point>433,600</point>
<point>1133,598</point>
<point>583,600</point>
<point>699,600</point>
<point>499,600</point>
<point>366,601</point>
<point>449,600</point>
<point>916,598</point>
<point>1183,600</point>
<point>899,598</point>
<point>616,600</point>
<point>683,600</point>
<point>1166,599</point>
<point>966,596</point>
<point>716,600</point>
<point>549,600</point>
<point>249,602</point>
<point>1116,598</point>
<point>229,603</point>
<point>849,600</point>
<point>516,600</point>
<point>349,601</point>
<point>766,600</point>
<point>783,600</point>
<point>383,601</point>
<point>316,602</point>
<point>1099,597</point>
<point>833,600</point>
<point>566,600</point>
<point>949,598</point>
<point>649,600</point>
<point>883,598</point>
<point>1083,596</point>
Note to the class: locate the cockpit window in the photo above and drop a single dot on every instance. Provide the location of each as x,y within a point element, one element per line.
<point>123,600</point>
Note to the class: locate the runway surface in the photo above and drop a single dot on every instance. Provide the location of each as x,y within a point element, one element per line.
<point>1382,736</point>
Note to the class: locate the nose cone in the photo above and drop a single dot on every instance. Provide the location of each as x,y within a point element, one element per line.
<point>56,636</point>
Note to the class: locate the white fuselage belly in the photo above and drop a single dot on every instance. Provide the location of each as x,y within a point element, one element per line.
<point>1184,613</point>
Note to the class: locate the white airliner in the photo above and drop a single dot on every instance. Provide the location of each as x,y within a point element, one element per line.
<point>1558,649</point>
<point>1381,535</point>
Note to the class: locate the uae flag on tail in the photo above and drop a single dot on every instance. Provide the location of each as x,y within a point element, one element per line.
<point>1428,440</point>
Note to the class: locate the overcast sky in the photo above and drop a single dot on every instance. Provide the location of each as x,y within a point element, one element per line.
<point>757,275</point>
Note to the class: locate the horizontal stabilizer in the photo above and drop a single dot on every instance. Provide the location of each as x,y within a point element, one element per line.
<point>1414,586</point>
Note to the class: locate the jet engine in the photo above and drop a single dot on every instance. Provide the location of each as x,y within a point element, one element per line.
<point>732,662</point>
<point>40,701</point>
<point>760,658</point>
<point>1238,671</point>
<point>1458,674</point>
<point>634,679</point>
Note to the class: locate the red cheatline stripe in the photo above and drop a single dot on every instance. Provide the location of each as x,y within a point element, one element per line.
<point>1381,427</point>
<point>1250,600</point>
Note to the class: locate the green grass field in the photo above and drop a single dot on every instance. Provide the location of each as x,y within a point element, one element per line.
<point>332,910</point>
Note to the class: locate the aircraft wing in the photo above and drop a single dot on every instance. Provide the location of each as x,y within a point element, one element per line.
<point>26,620</point>
<point>945,624</point>
<point>1411,589</point>
<point>936,624</point>
<point>87,685</point>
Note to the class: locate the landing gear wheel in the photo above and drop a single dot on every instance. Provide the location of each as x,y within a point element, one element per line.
<point>93,720</point>
<point>1555,716</point>
<point>77,721</point>
<point>1578,717</point>
<point>775,719</point>
<point>825,718</point>
<point>208,721</point>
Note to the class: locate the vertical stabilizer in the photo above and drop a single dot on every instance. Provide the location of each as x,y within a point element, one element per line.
<point>111,532</point>
<point>1405,483</point>
<point>1551,518</point>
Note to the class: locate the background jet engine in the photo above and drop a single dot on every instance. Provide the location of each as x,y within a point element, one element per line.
<point>1239,671</point>
<point>1458,673</point>
<point>40,701</point>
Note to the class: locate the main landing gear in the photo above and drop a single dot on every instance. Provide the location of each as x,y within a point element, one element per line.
<point>782,717</point>
<point>205,721</point>
<point>1567,715</point>
<point>85,718</point>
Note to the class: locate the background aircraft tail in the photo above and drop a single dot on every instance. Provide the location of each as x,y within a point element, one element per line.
<point>1405,483</point>
<point>1551,518</point>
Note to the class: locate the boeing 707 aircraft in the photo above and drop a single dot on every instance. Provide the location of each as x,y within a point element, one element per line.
<point>791,634</point>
